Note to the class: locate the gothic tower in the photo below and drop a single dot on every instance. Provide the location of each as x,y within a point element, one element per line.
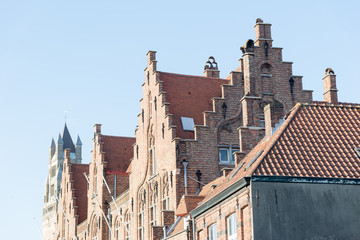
<point>53,179</point>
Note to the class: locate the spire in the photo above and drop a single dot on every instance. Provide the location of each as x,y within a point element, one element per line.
<point>59,140</point>
<point>68,143</point>
<point>78,141</point>
<point>52,144</point>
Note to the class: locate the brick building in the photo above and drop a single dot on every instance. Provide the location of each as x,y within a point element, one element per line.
<point>202,146</point>
<point>53,179</point>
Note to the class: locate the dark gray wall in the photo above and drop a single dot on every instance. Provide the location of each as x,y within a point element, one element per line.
<point>305,211</point>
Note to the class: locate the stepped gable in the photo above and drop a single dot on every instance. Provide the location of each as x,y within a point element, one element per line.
<point>189,96</point>
<point>66,137</point>
<point>80,185</point>
<point>118,152</point>
<point>316,140</point>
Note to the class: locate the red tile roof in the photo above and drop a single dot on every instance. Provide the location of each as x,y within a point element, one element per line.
<point>316,140</point>
<point>187,204</point>
<point>118,152</point>
<point>80,185</point>
<point>189,96</point>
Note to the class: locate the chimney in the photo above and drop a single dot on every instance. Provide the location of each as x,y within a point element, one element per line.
<point>97,128</point>
<point>262,33</point>
<point>330,91</point>
<point>67,154</point>
<point>226,171</point>
<point>151,61</point>
<point>273,113</point>
<point>211,68</point>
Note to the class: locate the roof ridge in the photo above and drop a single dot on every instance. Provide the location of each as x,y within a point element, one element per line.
<point>117,136</point>
<point>275,137</point>
<point>196,76</point>
<point>339,105</point>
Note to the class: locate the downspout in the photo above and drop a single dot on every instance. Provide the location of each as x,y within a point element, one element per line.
<point>115,186</point>
<point>193,227</point>
<point>109,221</point>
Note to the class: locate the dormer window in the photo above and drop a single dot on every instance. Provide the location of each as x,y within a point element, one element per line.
<point>226,154</point>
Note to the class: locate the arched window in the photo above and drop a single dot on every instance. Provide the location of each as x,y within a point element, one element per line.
<point>94,228</point>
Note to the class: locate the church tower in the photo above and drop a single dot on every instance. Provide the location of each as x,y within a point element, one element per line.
<point>53,179</point>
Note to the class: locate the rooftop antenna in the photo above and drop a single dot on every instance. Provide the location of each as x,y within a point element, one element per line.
<point>66,111</point>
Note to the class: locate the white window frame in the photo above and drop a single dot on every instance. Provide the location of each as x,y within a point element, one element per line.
<point>212,230</point>
<point>231,227</point>
<point>230,154</point>
<point>127,226</point>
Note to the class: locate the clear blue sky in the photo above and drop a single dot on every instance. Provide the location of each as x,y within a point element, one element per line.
<point>88,57</point>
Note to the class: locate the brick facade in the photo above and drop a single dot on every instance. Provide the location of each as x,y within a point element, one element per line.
<point>148,170</point>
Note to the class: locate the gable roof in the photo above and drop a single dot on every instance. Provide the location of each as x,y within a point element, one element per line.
<point>189,96</point>
<point>118,152</point>
<point>316,140</point>
<point>187,204</point>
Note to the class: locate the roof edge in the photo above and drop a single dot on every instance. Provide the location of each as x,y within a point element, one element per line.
<point>243,182</point>
<point>318,180</point>
<point>281,130</point>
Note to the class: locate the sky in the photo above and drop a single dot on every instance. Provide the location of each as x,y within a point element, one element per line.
<point>88,58</point>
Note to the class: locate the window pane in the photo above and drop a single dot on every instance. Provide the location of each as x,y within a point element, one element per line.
<point>212,232</point>
<point>231,225</point>
<point>223,155</point>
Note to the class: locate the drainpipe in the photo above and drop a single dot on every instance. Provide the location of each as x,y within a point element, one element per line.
<point>185,163</point>
<point>115,186</point>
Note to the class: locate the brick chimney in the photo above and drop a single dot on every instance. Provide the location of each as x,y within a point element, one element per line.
<point>330,91</point>
<point>67,154</point>
<point>151,61</point>
<point>211,68</point>
<point>273,113</point>
<point>262,33</point>
<point>97,128</point>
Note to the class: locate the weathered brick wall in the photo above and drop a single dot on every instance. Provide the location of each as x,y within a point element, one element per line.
<point>240,204</point>
<point>157,132</point>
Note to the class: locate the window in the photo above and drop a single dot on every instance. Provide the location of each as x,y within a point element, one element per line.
<point>127,226</point>
<point>226,154</point>
<point>262,121</point>
<point>53,171</point>
<point>212,232</point>
<point>52,190</point>
<point>141,226</point>
<point>95,184</point>
<point>166,203</point>
<point>153,215</point>
<point>231,227</point>
<point>150,105</point>
<point>152,161</point>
